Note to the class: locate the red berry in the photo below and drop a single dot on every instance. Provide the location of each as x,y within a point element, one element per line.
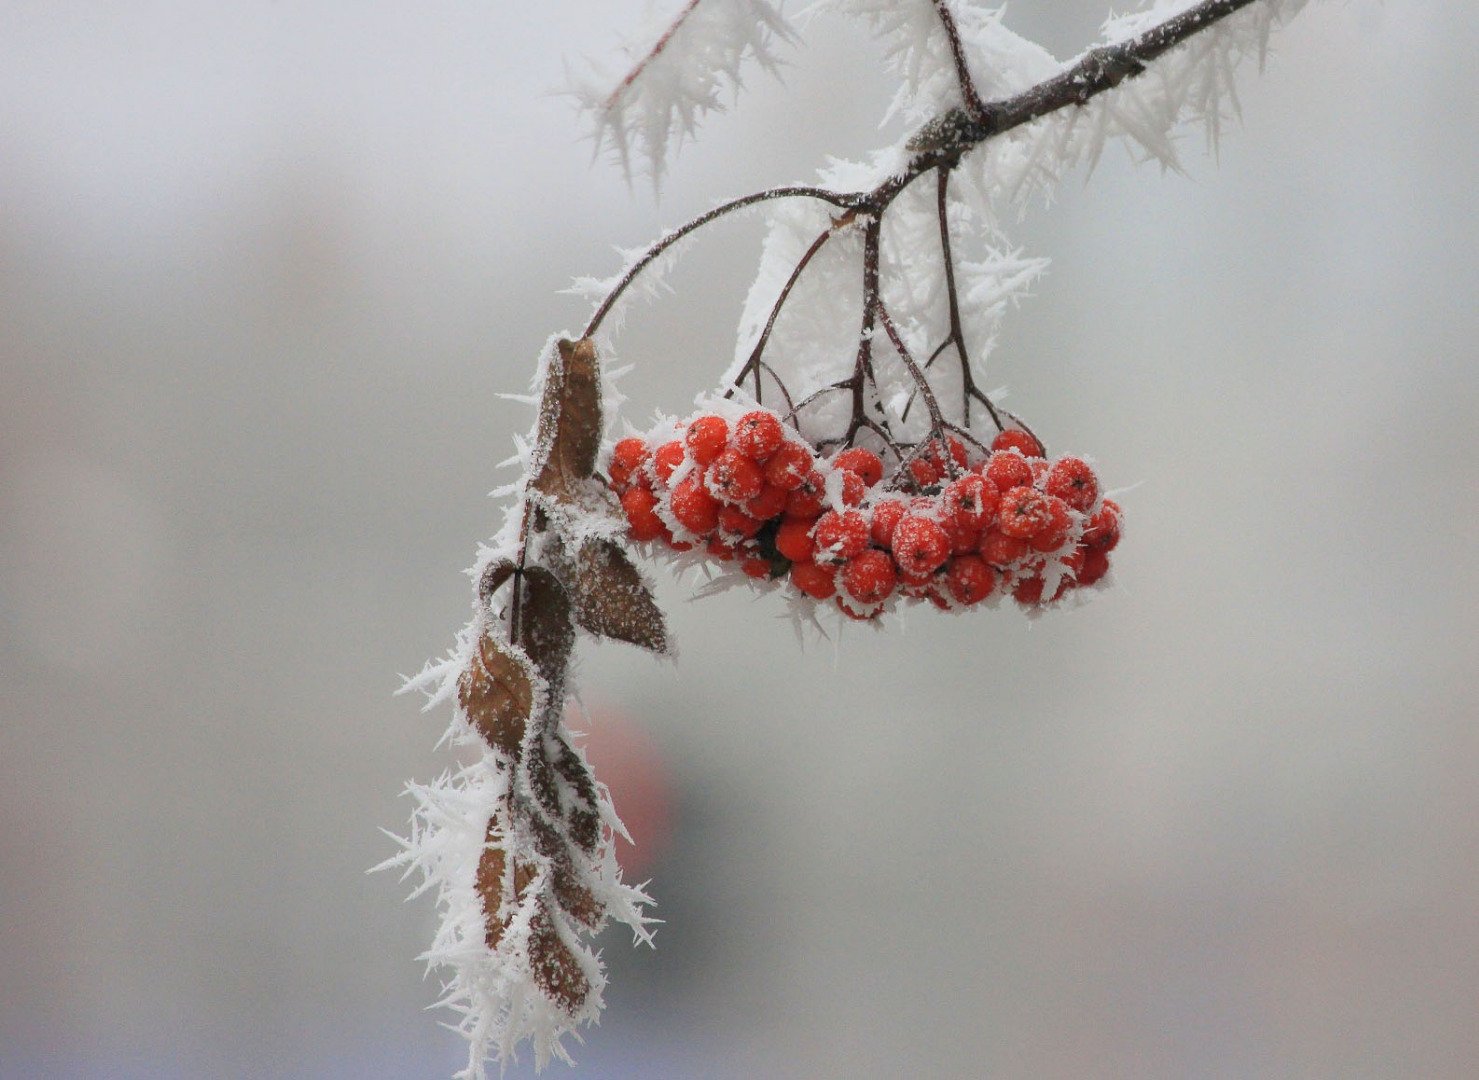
<point>1096,565</point>
<point>1103,530</point>
<point>853,488</point>
<point>694,508</point>
<point>770,503</point>
<point>840,536</point>
<point>1024,512</point>
<point>734,478</point>
<point>642,521</point>
<point>999,549</point>
<point>1054,532</point>
<point>668,457</point>
<point>969,502</point>
<point>920,545</point>
<point>719,549</point>
<point>886,515</point>
<point>815,581</point>
<point>964,540</point>
<point>807,500</point>
<point>1028,591</point>
<point>734,520</point>
<point>1073,481</point>
<point>756,567</point>
<point>956,450</point>
<point>865,463</point>
<point>789,466</point>
<point>869,578</point>
<point>793,539</point>
<point>1015,438</point>
<point>705,438</point>
<point>1008,469</point>
<point>969,579</point>
<point>627,456</point>
<point>856,616</point>
<point>758,434</point>
<point>926,473</point>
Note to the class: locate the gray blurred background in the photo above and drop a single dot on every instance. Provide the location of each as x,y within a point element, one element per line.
<point>263,269</point>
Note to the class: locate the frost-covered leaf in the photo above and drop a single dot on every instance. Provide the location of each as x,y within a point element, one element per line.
<point>544,627</point>
<point>491,887</point>
<point>556,970</point>
<point>675,73</point>
<point>612,599</point>
<point>496,691</point>
<point>569,427</point>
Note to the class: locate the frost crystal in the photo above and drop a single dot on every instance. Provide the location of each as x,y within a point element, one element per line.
<point>676,76</point>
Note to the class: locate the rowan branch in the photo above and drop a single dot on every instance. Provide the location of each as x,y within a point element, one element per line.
<point>946,139</point>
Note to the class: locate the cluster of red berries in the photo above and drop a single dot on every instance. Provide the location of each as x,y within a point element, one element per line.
<point>957,527</point>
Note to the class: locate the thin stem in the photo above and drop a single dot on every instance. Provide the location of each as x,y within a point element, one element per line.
<point>957,329</point>
<point>761,365</point>
<point>662,245</point>
<point>752,363</point>
<point>662,43</point>
<point>931,403</point>
<point>842,384</point>
<point>862,376</point>
<point>973,103</point>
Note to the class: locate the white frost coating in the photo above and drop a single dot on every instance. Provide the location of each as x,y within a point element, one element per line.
<point>493,992</point>
<point>676,69</point>
<point>917,50</point>
<point>814,342</point>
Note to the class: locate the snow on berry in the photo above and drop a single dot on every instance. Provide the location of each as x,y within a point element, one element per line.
<point>758,434</point>
<point>744,489</point>
<point>920,545</point>
<point>734,478</point>
<point>869,577</point>
<point>1016,439</point>
<point>1072,480</point>
<point>706,438</point>
<point>867,464</point>
<point>840,537</point>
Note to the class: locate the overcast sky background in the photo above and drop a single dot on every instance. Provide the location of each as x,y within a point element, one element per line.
<point>264,268</point>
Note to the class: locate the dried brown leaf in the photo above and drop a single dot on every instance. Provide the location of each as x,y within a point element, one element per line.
<point>543,627</point>
<point>497,694</point>
<point>578,901</point>
<point>494,577</point>
<point>556,969</point>
<point>570,419</point>
<point>610,598</point>
<point>490,888</point>
<point>583,820</point>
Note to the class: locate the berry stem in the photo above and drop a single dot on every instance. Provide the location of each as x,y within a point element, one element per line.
<point>794,191</point>
<point>973,103</point>
<point>753,363</point>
